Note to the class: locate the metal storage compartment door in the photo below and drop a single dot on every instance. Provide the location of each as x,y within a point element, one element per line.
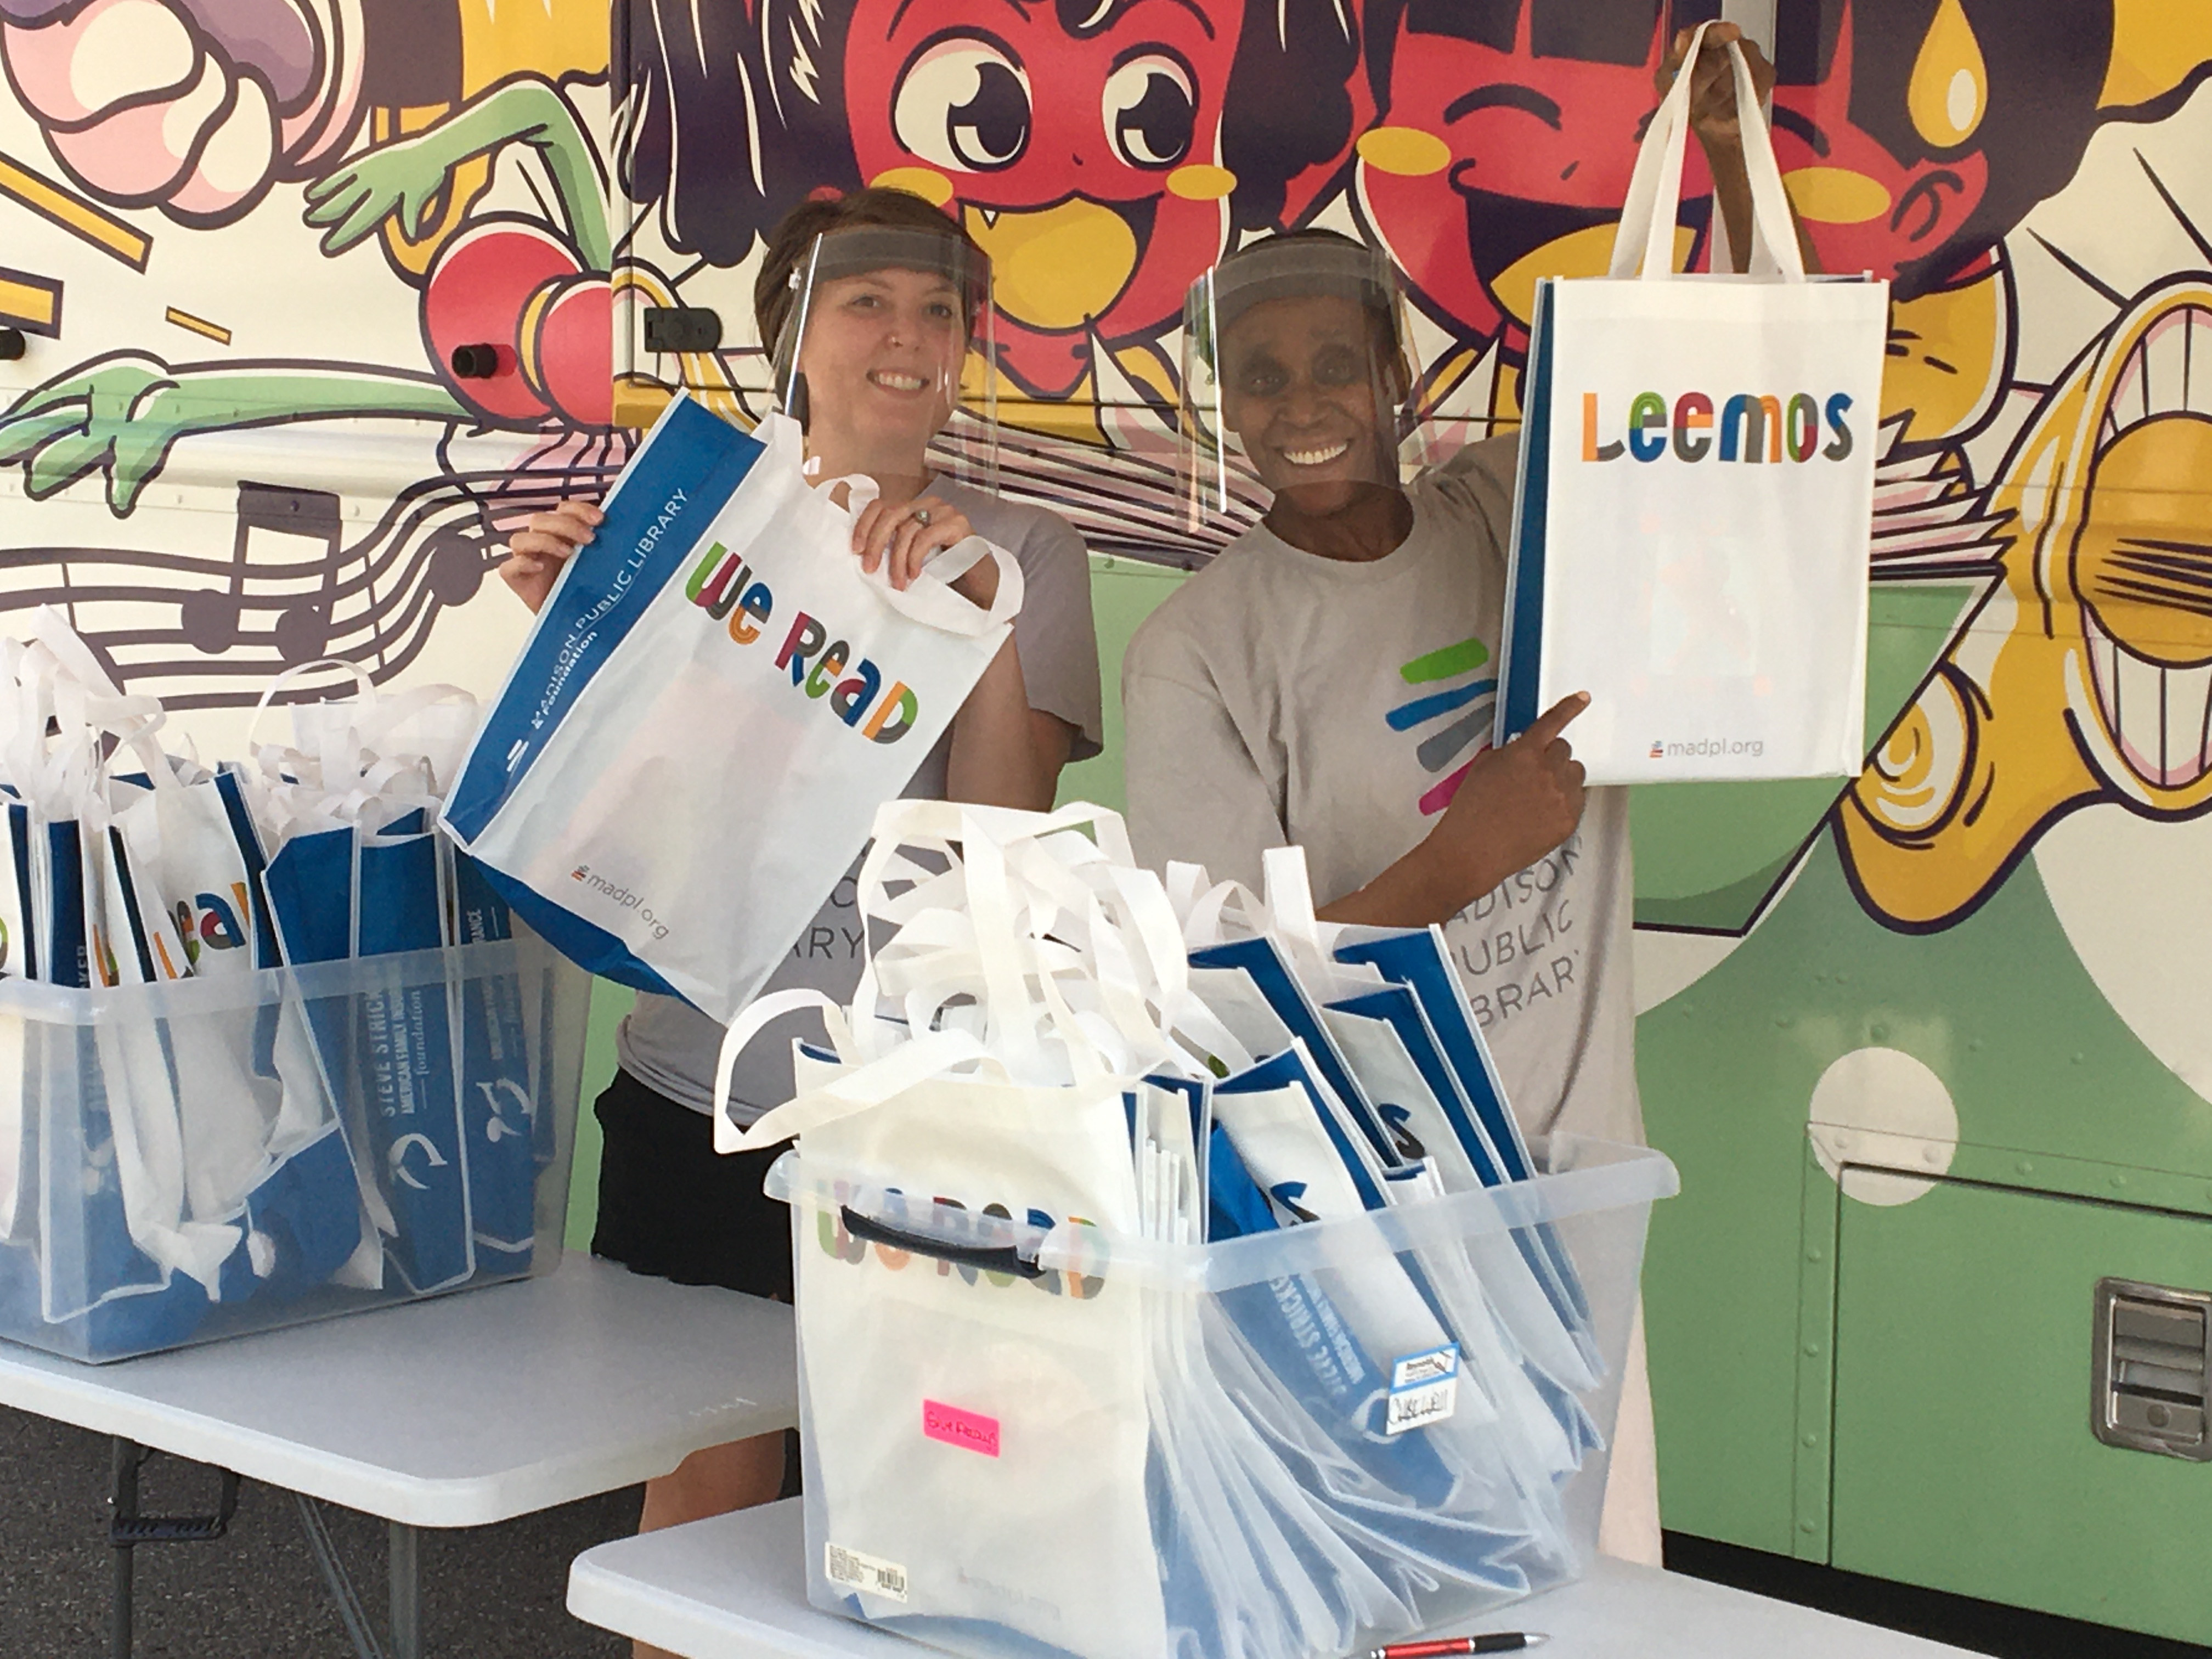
<point>1965,1458</point>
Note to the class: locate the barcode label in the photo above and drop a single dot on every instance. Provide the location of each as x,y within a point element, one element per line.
<point>864,1572</point>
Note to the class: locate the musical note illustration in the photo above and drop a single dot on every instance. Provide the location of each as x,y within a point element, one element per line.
<point>272,522</point>
<point>208,630</point>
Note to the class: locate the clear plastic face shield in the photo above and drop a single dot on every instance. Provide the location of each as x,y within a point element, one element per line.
<point>1294,379</point>
<point>887,357</point>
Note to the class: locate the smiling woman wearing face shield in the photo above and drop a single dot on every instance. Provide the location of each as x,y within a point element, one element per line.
<point>1329,681</point>
<point>878,310</point>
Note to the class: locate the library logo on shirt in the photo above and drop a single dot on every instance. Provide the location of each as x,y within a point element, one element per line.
<point>1450,713</point>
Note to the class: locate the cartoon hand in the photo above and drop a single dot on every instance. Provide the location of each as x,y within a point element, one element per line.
<point>121,412</point>
<point>402,178</point>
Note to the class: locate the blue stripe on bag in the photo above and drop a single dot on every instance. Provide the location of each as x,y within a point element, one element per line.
<point>592,948</point>
<point>1525,651</point>
<point>688,469</point>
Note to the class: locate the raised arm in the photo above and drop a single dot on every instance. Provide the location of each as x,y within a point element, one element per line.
<point>1720,132</point>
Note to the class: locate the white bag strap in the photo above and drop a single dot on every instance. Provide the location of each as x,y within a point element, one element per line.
<point>57,675</point>
<point>1074,960</point>
<point>931,601</point>
<point>382,715</point>
<point>365,686</point>
<point>934,1053</point>
<point>1644,242</point>
<point>52,630</point>
<point>1290,899</point>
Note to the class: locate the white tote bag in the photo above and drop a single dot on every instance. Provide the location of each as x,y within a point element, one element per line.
<point>977,1440</point>
<point>712,704</point>
<point>1691,532</point>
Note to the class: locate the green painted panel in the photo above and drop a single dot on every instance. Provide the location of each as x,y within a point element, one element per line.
<point>2026,1051</point>
<point>1707,853</point>
<point>610,1002</point>
<point>1963,1455</point>
<point>1123,592</point>
<point>1721,1279</point>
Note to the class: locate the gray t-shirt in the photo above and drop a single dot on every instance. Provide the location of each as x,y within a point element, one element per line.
<point>1279,698</point>
<point>670,1045</point>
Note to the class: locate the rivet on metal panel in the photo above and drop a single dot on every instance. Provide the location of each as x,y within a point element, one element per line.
<point>1812,1349</point>
<point>2120,1180</point>
<point>1812,1439</point>
<point>1809,1525</point>
<point>2026,1167</point>
<point>1879,1033</point>
<point>1782,1020</point>
<point>1814,1253</point>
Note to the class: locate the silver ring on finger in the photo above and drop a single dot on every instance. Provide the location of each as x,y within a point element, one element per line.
<point>921,515</point>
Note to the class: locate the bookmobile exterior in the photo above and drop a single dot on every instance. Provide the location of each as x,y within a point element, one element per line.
<point>1932,1045</point>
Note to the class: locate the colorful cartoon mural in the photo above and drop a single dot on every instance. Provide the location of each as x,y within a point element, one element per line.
<point>265,227</point>
<point>252,244</point>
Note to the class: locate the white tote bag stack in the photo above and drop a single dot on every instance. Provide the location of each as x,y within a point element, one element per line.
<point>1117,1342</point>
<point>1692,529</point>
<point>714,703</point>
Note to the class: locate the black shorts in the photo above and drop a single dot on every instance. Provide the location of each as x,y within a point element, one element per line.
<point>672,1207</point>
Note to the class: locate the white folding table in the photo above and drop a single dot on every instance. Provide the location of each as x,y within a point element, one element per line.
<point>457,1412</point>
<point>735,1587</point>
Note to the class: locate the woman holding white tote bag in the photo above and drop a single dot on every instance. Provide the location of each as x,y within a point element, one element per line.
<point>1329,681</point>
<point>877,305</point>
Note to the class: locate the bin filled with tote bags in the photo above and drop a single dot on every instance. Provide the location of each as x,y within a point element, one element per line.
<point>269,1048</point>
<point>1173,1278</point>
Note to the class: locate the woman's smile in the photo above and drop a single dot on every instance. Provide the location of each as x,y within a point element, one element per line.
<point>1320,455</point>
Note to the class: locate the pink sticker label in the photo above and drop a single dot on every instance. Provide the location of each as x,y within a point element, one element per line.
<point>954,1427</point>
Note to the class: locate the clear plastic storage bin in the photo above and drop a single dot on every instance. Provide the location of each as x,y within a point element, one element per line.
<point>186,1161</point>
<point>1026,1436</point>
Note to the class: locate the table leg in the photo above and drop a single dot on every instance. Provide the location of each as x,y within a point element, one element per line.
<point>335,1579</point>
<point>406,1592</point>
<point>123,1501</point>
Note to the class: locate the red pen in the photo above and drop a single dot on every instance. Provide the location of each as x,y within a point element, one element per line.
<point>1510,1641</point>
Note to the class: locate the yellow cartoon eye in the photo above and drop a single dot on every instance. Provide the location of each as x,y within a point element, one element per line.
<point>1949,91</point>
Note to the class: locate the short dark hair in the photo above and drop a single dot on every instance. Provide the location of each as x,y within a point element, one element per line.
<point>794,236</point>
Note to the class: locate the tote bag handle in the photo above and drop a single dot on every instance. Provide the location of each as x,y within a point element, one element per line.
<point>929,599</point>
<point>1644,243</point>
